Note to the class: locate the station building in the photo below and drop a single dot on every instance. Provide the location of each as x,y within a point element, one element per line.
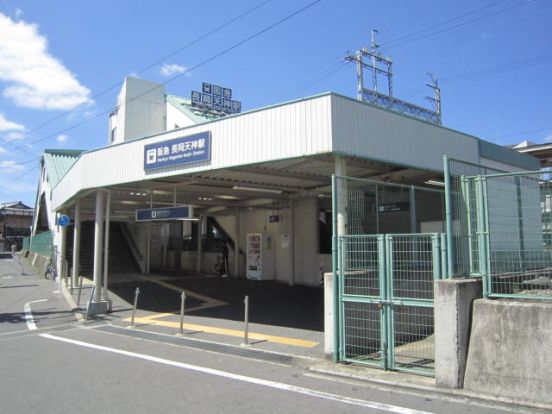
<point>260,180</point>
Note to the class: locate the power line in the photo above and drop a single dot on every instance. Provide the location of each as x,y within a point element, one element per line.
<point>202,63</point>
<point>529,131</point>
<point>405,36</point>
<point>490,70</point>
<point>16,178</point>
<point>330,70</point>
<point>157,61</point>
<point>501,68</point>
<point>406,41</point>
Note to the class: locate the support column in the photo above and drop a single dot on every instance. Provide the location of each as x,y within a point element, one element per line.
<point>292,242</point>
<point>76,243</point>
<point>98,236</point>
<point>237,243</point>
<point>148,249</point>
<point>339,205</point>
<point>453,316</point>
<point>62,254</point>
<point>106,245</point>
<point>148,240</point>
<point>412,194</point>
<point>342,196</point>
<point>199,244</point>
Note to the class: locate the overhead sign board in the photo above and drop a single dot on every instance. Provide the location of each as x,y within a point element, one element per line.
<point>394,207</point>
<point>184,150</point>
<point>216,97</point>
<point>165,213</point>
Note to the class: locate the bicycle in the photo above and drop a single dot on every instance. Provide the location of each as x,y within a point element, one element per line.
<point>51,270</point>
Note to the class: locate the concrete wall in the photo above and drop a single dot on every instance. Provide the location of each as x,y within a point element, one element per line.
<point>509,352</point>
<point>176,119</point>
<point>453,310</point>
<point>140,110</point>
<point>307,266</point>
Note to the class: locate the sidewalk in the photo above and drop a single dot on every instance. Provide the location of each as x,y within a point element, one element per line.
<point>276,341</point>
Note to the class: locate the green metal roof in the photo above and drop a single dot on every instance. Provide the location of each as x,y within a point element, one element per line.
<point>198,115</point>
<point>58,162</point>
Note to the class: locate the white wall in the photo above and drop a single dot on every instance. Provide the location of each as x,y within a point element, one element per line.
<point>176,117</point>
<point>140,110</point>
<point>307,260</point>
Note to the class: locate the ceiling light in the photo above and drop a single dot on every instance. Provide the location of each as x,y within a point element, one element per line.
<point>435,182</point>
<point>260,190</point>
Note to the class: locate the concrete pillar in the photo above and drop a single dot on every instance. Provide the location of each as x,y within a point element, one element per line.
<point>331,311</point>
<point>76,242</point>
<point>62,253</point>
<point>237,243</point>
<point>453,311</point>
<point>329,316</point>
<point>342,195</point>
<point>148,249</point>
<point>98,241</point>
<point>199,244</point>
<point>106,245</point>
<point>292,242</point>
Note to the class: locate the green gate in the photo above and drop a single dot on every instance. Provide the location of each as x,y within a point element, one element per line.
<point>386,299</point>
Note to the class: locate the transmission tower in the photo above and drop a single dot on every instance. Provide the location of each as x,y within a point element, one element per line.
<point>382,66</point>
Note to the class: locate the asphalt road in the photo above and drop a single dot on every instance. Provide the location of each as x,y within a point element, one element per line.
<point>65,366</point>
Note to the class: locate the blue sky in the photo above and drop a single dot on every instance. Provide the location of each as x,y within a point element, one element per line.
<point>57,58</point>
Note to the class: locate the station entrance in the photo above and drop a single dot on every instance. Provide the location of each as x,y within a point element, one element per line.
<point>384,315</point>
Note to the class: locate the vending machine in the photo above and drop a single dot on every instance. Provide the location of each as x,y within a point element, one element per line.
<point>260,256</point>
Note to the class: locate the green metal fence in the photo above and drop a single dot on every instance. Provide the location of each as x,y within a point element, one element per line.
<point>386,301</point>
<point>42,244</point>
<point>461,220</point>
<point>515,211</point>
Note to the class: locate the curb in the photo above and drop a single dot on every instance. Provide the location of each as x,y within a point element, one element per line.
<point>488,399</point>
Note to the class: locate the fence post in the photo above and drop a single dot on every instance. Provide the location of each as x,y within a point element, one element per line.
<point>481,227</point>
<point>436,255</point>
<point>182,302</point>
<point>136,293</point>
<point>334,270</point>
<point>448,215</point>
<point>444,270</point>
<point>246,324</point>
<point>80,290</point>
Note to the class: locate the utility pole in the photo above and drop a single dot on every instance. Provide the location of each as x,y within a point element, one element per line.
<point>436,99</point>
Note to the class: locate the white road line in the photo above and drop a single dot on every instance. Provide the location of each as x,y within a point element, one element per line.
<point>29,314</point>
<point>243,378</point>
<point>7,277</point>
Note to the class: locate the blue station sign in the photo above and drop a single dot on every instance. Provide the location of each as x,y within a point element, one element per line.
<point>165,213</point>
<point>184,150</point>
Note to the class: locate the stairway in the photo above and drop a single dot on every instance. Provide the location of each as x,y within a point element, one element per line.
<point>121,259</point>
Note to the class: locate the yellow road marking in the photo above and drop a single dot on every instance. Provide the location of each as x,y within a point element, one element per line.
<point>208,302</point>
<point>228,332</point>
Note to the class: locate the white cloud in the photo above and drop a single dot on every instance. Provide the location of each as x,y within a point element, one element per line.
<point>6,125</point>
<point>35,78</point>
<point>18,187</point>
<point>10,167</point>
<point>2,150</point>
<point>172,69</point>
<point>14,136</point>
<point>18,13</point>
<point>62,138</point>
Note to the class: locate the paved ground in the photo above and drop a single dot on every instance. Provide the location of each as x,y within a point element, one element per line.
<point>282,319</point>
<point>51,363</point>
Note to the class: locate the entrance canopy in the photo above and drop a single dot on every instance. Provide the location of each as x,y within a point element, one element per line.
<point>287,150</point>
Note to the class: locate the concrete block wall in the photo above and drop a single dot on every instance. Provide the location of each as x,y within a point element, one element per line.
<point>453,299</point>
<point>509,354</point>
